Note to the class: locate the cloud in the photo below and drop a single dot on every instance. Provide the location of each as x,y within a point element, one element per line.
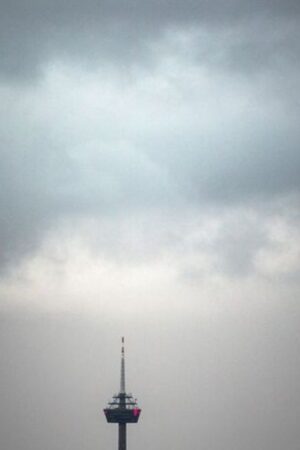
<point>37,32</point>
<point>82,144</point>
<point>143,110</point>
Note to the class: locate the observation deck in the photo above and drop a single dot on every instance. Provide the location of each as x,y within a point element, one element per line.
<point>122,409</point>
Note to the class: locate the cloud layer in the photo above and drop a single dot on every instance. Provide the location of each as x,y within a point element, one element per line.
<point>34,33</point>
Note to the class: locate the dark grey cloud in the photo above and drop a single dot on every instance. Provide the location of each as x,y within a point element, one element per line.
<point>199,108</point>
<point>37,32</point>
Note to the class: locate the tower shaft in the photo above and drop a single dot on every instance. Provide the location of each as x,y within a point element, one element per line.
<point>122,436</point>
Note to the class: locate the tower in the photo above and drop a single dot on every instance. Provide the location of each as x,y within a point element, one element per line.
<point>123,408</point>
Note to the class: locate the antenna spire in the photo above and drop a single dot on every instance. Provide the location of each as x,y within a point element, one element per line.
<point>122,383</point>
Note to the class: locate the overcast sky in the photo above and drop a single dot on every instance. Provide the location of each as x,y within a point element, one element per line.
<point>150,188</point>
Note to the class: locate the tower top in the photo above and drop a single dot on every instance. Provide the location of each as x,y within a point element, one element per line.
<point>123,408</point>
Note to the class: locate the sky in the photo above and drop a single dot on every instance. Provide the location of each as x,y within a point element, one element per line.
<point>150,188</point>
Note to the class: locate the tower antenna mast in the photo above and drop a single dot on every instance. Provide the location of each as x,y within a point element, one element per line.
<point>122,381</point>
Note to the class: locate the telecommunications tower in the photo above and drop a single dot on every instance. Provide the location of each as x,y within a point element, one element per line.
<point>123,408</point>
